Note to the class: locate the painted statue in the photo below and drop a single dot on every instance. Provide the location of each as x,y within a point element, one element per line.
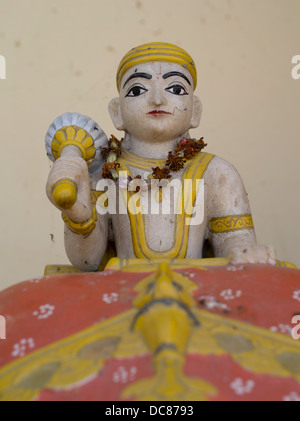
<point>165,196</point>
<point>160,322</point>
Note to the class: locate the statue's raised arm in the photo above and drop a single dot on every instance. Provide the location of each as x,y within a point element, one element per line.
<point>74,142</point>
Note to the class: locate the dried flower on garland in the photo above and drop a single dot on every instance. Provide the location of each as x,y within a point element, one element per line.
<point>109,170</point>
<point>189,147</point>
<point>113,151</point>
<point>175,162</point>
<point>161,173</point>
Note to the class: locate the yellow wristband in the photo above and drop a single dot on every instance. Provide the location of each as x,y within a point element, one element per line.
<point>81,228</point>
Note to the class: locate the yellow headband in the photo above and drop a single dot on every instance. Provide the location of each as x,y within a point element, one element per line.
<point>156,51</point>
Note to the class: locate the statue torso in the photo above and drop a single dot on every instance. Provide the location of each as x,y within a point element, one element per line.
<point>171,232</point>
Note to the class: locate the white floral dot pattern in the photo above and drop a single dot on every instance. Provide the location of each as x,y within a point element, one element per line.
<point>242,387</point>
<point>292,396</point>
<point>20,348</point>
<point>44,311</point>
<point>235,268</point>
<point>229,294</point>
<point>296,295</point>
<point>122,375</point>
<point>35,280</point>
<point>110,298</point>
<point>282,328</point>
<point>211,303</point>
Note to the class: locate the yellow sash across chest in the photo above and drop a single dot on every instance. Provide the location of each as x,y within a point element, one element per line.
<point>194,170</point>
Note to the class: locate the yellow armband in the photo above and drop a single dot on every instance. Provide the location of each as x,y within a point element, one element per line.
<point>231,223</point>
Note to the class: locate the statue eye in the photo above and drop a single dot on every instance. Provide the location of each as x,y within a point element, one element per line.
<point>177,90</point>
<point>136,91</point>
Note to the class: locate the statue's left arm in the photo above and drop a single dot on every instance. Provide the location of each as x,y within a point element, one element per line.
<point>231,230</point>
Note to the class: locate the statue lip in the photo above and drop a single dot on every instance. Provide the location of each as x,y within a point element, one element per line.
<point>156,113</point>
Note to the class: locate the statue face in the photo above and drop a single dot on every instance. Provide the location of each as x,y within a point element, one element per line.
<point>156,102</point>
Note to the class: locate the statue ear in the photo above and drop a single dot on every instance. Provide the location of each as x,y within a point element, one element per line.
<point>197,112</point>
<point>115,113</point>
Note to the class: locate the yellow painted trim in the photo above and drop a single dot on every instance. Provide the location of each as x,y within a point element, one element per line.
<point>285,264</point>
<point>142,265</point>
<point>145,265</point>
<point>60,269</point>
<point>81,228</point>
<point>194,170</point>
<point>64,193</point>
<point>145,164</point>
<point>156,51</point>
<point>230,223</point>
<point>76,136</point>
<point>95,194</point>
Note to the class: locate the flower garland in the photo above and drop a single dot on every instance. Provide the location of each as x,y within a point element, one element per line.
<point>185,150</point>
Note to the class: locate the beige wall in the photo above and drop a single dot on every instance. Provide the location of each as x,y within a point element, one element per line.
<point>61,55</point>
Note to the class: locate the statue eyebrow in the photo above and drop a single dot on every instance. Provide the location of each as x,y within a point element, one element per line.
<point>166,75</point>
<point>144,75</point>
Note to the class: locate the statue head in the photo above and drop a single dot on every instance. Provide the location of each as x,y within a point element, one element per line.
<point>156,102</point>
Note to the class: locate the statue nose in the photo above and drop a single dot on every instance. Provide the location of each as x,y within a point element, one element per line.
<point>157,96</point>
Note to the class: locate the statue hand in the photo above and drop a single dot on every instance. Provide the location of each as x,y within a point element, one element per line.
<point>253,254</point>
<point>68,187</point>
